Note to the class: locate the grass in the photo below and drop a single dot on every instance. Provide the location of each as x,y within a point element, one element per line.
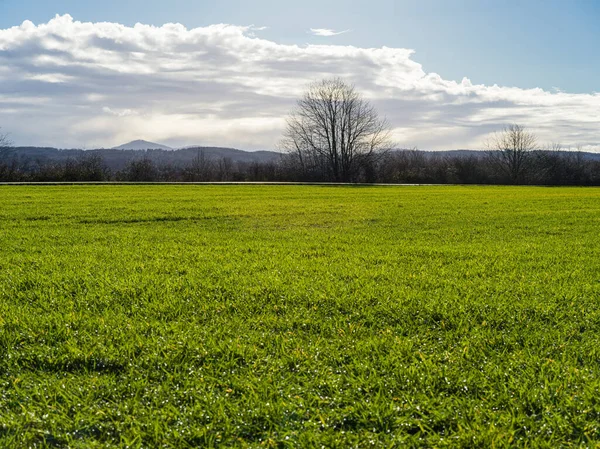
<point>299,316</point>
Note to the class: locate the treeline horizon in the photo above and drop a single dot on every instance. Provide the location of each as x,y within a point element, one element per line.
<point>413,166</point>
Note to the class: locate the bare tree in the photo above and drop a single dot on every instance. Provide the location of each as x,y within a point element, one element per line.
<point>5,142</point>
<point>201,168</point>
<point>510,152</point>
<point>333,130</point>
<point>9,170</point>
<point>140,170</point>
<point>225,169</point>
<point>558,165</point>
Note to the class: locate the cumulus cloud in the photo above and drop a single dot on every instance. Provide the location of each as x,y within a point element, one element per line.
<point>68,83</point>
<point>326,32</point>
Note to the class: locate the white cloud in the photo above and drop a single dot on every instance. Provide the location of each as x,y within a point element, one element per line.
<point>326,32</point>
<point>120,112</point>
<point>50,77</point>
<point>68,83</point>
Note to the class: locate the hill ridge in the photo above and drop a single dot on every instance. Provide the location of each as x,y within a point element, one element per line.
<point>140,144</point>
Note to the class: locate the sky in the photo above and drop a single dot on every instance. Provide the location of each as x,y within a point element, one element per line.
<point>445,74</point>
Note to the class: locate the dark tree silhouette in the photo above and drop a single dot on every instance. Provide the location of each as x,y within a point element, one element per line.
<point>140,170</point>
<point>334,131</point>
<point>201,168</point>
<point>510,152</point>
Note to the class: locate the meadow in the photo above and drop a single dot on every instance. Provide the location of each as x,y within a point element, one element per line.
<point>299,316</point>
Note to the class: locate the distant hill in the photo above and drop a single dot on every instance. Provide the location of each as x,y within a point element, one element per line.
<point>482,153</point>
<point>117,159</point>
<point>142,145</point>
<point>233,154</point>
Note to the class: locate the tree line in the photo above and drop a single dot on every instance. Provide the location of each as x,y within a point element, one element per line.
<point>540,167</point>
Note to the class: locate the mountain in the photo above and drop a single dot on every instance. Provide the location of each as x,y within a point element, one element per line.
<point>142,145</point>
<point>231,153</point>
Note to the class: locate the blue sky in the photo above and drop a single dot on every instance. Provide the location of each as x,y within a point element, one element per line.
<point>445,73</point>
<point>525,43</point>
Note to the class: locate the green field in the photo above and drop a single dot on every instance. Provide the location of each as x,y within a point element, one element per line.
<point>299,316</point>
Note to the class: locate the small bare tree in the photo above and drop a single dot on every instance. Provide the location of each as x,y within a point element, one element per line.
<point>510,152</point>
<point>225,169</point>
<point>201,168</point>
<point>5,142</point>
<point>9,170</point>
<point>333,130</point>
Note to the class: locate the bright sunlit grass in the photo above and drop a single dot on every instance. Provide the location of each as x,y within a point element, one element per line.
<point>297,316</point>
